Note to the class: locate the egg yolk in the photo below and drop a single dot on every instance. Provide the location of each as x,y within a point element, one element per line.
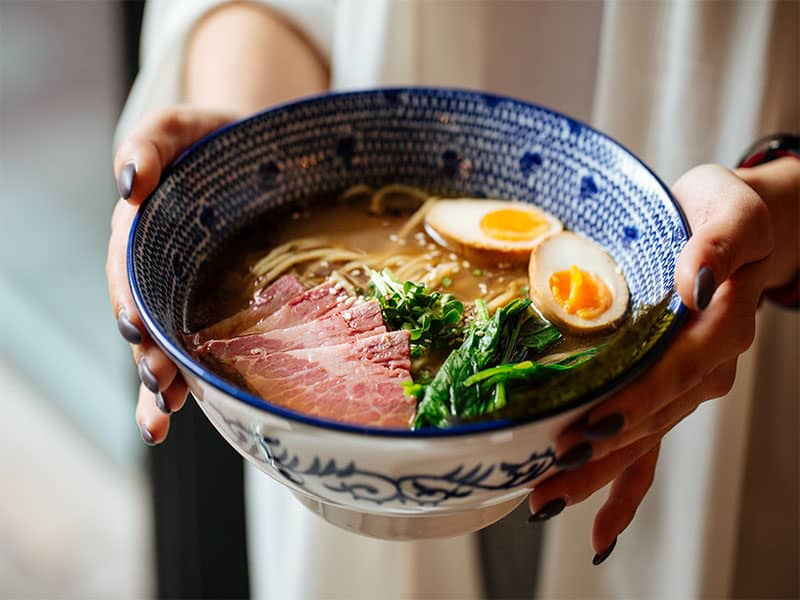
<point>580,293</point>
<point>513,225</point>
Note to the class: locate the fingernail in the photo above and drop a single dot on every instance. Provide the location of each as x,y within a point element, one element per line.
<point>125,180</point>
<point>161,404</point>
<point>601,556</point>
<point>147,437</point>
<point>548,511</point>
<point>146,375</point>
<point>574,457</point>
<point>605,427</point>
<point>704,287</point>
<point>128,330</point>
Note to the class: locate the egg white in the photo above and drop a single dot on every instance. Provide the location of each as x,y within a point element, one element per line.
<point>558,253</point>
<point>456,224</point>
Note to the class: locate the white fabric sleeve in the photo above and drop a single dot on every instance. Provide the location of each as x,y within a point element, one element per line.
<point>165,29</point>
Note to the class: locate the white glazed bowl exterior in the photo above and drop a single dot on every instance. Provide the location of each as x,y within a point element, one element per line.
<point>390,476</point>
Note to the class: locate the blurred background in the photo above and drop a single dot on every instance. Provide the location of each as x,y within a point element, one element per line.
<point>75,510</point>
<point>82,497</point>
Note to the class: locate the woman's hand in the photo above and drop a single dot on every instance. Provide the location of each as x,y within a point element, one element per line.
<point>138,165</point>
<point>242,57</point>
<point>738,249</point>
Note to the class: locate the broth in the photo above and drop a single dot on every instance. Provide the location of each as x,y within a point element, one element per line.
<point>227,284</point>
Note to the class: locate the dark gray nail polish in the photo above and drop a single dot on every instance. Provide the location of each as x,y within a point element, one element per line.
<point>146,375</point>
<point>605,428</point>
<point>601,556</point>
<point>125,180</point>
<point>548,511</point>
<point>704,286</point>
<point>147,437</point>
<point>128,330</point>
<point>161,404</point>
<point>574,457</point>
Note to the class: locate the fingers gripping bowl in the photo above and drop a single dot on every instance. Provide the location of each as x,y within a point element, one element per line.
<point>391,482</point>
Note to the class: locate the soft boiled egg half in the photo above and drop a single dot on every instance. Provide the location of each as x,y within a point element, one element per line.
<point>490,229</point>
<point>576,285</point>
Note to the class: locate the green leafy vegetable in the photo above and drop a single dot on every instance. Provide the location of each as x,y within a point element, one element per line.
<point>411,388</point>
<point>527,369</point>
<point>539,335</point>
<point>432,318</point>
<point>446,395</point>
<point>508,336</point>
<point>627,346</point>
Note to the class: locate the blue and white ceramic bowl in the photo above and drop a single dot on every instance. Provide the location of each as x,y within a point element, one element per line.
<point>388,483</point>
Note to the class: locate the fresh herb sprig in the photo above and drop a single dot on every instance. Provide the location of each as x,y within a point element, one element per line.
<point>432,318</point>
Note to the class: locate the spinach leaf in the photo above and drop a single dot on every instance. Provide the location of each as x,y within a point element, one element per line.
<point>526,334</point>
<point>539,335</point>
<point>487,341</point>
<point>528,369</point>
<point>632,341</point>
<point>432,318</point>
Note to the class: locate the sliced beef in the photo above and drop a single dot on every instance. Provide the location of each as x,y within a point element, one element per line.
<point>266,302</point>
<point>354,382</point>
<point>311,304</point>
<point>335,327</point>
<point>317,351</point>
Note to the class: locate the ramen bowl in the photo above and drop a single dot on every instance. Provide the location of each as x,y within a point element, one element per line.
<point>389,483</point>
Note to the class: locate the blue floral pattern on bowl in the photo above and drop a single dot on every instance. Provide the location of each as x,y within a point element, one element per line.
<point>422,489</point>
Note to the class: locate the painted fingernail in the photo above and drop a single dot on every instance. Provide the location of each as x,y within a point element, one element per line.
<point>125,180</point>
<point>161,404</point>
<point>147,437</point>
<point>606,427</point>
<point>574,457</point>
<point>128,330</point>
<point>548,511</point>
<point>601,556</point>
<point>146,375</point>
<point>704,286</point>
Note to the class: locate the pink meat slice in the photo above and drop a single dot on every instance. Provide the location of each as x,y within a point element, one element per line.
<point>355,382</point>
<point>266,302</point>
<point>340,324</point>
<point>311,304</point>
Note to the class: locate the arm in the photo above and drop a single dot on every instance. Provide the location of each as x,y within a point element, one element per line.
<point>243,58</point>
<point>239,58</point>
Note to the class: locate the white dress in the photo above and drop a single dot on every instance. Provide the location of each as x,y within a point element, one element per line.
<point>678,83</point>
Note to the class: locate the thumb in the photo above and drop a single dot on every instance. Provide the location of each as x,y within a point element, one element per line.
<point>731,227</point>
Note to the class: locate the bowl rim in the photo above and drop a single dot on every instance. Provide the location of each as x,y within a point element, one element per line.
<point>182,358</point>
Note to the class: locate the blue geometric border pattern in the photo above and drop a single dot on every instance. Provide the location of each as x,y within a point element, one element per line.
<point>421,489</point>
